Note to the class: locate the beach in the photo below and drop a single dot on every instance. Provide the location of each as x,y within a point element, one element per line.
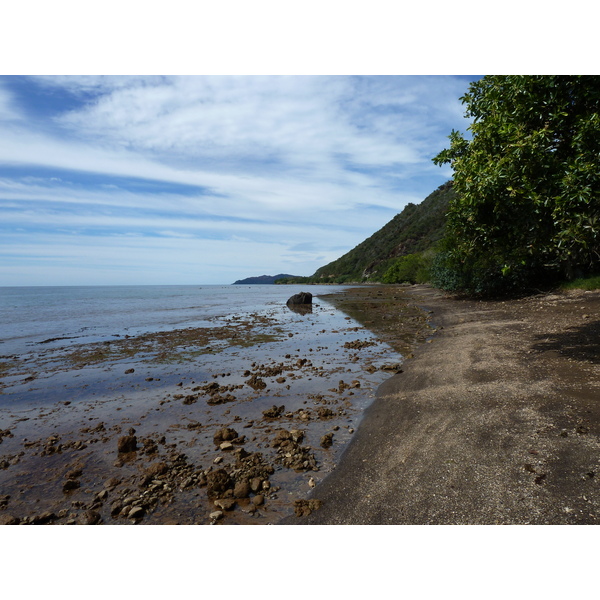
<point>494,419</point>
<point>231,421</point>
<point>384,405</point>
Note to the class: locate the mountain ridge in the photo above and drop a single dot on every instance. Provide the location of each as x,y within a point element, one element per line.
<point>417,228</point>
<point>263,279</point>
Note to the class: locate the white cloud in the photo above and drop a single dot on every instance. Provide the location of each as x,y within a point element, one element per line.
<point>307,167</point>
<point>8,109</point>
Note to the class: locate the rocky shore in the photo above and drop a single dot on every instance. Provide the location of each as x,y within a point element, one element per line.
<point>231,424</point>
<point>494,419</point>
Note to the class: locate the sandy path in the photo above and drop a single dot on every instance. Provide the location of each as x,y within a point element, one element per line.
<point>496,420</point>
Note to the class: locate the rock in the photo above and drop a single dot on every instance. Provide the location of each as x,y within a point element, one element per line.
<point>301,298</point>
<point>226,434</point>
<point>396,367</point>
<point>156,469</point>
<point>226,446</point>
<point>43,518</point>
<point>9,520</point>
<point>325,413</point>
<point>274,412</point>
<point>217,482</point>
<point>241,490</point>
<point>127,443</point>
<point>70,484</point>
<point>137,512</point>
<point>297,435</point>
<point>256,484</point>
<point>303,508</point>
<point>241,453</point>
<point>225,503</point>
<point>112,482</point>
<point>258,500</point>
<point>75,473</point>
<point>116,508</point>
<point>216,515</point>
<point>327,440</point>
<point>91,517</point>
<point>256,383</point>
<point>101,496</point>
<point>129,371</point>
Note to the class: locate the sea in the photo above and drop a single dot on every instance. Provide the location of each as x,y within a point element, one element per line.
<point>85,314</point>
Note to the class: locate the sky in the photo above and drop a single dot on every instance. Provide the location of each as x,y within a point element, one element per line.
<point>110,180</point>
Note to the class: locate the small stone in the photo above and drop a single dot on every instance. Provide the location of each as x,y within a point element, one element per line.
<point>327,440</point>
<point>303,508</point>
<point>241,489</point>
<point>102,495</point>
<point>75,473</point>
<point>70,484</point>
<point>127,443</point>
<point>256,484</point>
<point>226,446</point>
<point>216,515</point>
<point>225,503</point>
<point>258,500</point>
<point>112,482</point>
<point>137,512</point>
<point>91,517</point>
<point>129,371</point>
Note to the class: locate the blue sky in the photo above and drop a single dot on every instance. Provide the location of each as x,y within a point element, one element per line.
<point>209,179</point>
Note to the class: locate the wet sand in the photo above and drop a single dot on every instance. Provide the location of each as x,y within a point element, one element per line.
<point>229,424</point>
<point>495,419</point>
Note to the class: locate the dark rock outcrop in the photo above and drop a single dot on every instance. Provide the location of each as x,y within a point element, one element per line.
<point>301,298</point>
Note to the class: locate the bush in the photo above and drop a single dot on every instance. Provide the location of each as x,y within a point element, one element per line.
<point>412,268</point>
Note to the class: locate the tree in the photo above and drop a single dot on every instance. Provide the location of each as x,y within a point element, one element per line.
<point>528,183</point>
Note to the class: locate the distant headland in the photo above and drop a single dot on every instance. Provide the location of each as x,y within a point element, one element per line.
<point>263,279</point>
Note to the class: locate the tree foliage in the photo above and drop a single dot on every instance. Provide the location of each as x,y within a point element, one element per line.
<point>528,184</point>
<point>412,268</point>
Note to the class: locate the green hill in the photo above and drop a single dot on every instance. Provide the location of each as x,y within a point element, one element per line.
<point>416,229</point>
<point>264,279</point>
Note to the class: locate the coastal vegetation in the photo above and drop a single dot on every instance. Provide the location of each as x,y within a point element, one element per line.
<point>527,207</point>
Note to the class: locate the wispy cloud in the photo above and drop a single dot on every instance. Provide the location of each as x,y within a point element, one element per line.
<point>304,166</point>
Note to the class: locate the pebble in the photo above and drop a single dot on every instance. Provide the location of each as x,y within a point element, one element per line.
<point>136,513</point>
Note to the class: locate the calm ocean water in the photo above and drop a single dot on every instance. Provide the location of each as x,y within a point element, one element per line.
<point>31,315</point>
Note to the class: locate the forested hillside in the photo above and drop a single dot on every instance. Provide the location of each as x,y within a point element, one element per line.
<point>416,229</point>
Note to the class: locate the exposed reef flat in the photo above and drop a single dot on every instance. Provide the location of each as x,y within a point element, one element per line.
<point>233,423</point>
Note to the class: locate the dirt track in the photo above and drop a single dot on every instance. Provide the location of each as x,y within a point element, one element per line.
<point>495,420</point>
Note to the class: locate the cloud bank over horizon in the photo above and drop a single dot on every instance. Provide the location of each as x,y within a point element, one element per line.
<point>209,179</point>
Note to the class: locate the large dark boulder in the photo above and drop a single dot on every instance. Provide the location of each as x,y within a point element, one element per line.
<point>301,298</point>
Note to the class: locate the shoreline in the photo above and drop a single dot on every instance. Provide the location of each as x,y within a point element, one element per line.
<point>134,430</point>
<point>494,421</point>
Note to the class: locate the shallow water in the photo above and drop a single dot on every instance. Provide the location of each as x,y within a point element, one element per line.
<point>36,317</point>
<point>47,393</point>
